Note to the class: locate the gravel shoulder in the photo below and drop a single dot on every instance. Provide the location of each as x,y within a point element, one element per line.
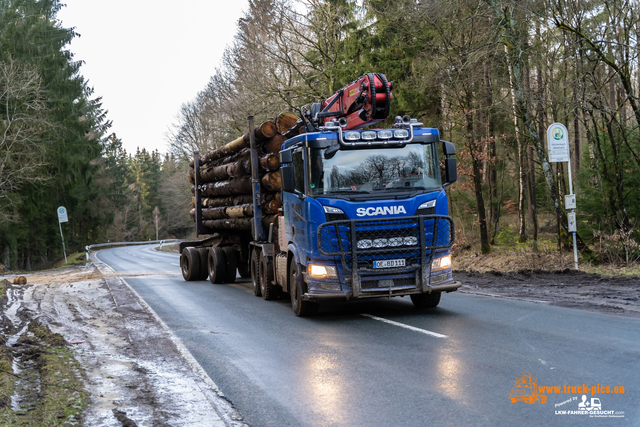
<point>136,373</point>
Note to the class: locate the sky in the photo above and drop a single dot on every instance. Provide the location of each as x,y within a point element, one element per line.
<point>145,58</point>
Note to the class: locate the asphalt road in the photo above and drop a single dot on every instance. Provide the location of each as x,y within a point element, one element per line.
<point>348,366</point>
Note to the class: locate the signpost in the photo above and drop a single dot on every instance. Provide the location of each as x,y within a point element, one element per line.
<point>558,146</point>
<point>62,217</point>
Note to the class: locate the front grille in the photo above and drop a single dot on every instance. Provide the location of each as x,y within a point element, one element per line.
<point>336,217</point>
<point>426,211</point>
<point>382,240</point>
<point>389,283</point>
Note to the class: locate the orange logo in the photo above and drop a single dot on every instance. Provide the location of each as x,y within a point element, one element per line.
<point>526,389</point>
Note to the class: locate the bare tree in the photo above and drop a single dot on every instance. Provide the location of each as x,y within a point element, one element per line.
<point>22,127</point>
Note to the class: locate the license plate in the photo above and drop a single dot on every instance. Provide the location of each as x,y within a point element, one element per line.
<point>388,263</point>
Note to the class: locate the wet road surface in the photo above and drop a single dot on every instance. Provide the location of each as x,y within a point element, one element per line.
<point>383,363</point>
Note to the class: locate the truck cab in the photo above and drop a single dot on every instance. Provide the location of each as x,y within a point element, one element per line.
<point>365,214</point>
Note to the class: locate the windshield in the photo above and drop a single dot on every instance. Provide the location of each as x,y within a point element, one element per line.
<point>411,168</point>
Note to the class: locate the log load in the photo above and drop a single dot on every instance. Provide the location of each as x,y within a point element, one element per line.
<point>225,178</point>
<point>263,132</point>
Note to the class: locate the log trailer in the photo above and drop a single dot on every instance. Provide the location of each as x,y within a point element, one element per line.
<point>364,211</point>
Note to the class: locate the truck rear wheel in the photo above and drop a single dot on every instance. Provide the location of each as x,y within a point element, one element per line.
<point>190,264</point>
<point>300,308</point>
<point>204,263</point>
<point>230,255</point>
<point>268,290</point>
<point>426,300</point>
<point>254,265</point>
<point>217,265</point>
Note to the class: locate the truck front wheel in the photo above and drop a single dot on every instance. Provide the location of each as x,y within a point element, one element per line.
<point>426,300</point>
<point>190,264</point>
<point>300,308</point>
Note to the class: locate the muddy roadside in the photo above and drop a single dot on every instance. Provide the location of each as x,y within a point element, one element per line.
<point>79,347</point>
<point>615,295</point>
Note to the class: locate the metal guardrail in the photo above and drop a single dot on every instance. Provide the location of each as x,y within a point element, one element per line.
<point>104,245</point>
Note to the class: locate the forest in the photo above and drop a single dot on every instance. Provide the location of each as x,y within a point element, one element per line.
<point>491,75</point>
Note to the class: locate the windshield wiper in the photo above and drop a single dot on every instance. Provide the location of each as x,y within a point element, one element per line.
<point>349,192</point>
<point>404,188</point>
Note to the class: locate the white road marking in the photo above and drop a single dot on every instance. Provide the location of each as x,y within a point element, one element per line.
<point>155,260</point>
<point>177,265</point>
<point>402,325</point>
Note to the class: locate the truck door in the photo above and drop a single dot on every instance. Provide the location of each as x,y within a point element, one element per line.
<point>294,202</point>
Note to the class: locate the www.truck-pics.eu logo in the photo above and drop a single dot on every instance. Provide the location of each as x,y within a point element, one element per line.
<point>526,389</point>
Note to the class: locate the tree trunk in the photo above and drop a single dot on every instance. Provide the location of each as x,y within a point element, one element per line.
<point>270,162</point>
<point>263,132</point>
<point>476,150</point>
<point>271,181</point>
<point>225,201</point>
<point>229,224</point>
<point>491,170</point>
<point>227,188</point>
<point>522,234</point>
<point>271,207</point>
<point>532,199</point>
<point>274,145</point>
<point>241,211</point>
<point>286,123</point>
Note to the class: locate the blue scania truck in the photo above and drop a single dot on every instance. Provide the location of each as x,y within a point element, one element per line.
<point>364,213</point>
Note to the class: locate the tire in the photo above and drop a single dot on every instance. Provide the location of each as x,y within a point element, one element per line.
<point>254,267</point>
<point>217,265</point>
<point>204,263</point>
<point>426,300</point>
<point>300,308</point>
<point>244,269</point>
<point>268,291</point>
<point>190,264</point>
<point>230,255</point>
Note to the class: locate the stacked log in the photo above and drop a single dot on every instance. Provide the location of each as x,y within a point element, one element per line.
<point>225,177</point>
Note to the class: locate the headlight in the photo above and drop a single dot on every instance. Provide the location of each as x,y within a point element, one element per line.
<point>318,271</point>
<point>429,204</point>
<point>401,133</point>
<point>332,210</point>
<point>385,134</point>
<point>410,241</point>
<point>441,263</point>
<point>368,135</point>
<point>380,243</point>
<point>395,242</point>
<point>352,136</point>
<point>364,244</point>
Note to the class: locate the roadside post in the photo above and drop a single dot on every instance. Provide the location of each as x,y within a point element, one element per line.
<point>62,217</point>
<point>558,146</point>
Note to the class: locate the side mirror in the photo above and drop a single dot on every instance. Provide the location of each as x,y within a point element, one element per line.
<point>286,175</point>
<point>448,148</point>
<point>286,156</point>
<point>451,170</point>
